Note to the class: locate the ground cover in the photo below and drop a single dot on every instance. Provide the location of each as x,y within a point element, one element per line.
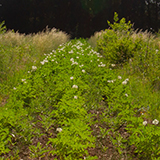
<point>94,98</point>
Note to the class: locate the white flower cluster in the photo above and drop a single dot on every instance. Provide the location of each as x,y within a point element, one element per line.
<point>155,122</point>
<point>72,60</point>
<point>101,64</point>
<point>59,129</point>
<point>111,81</point>
<point>34,68</point>
<point>75,86</point>
<point>125,81</point>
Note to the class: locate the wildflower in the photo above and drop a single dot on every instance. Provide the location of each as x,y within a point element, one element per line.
<point>23,80</point>
<point>14,88</point>
<point>34,67</point>
<point>119,77</point>
<point>83,71</point>
<point>145,123</point>
<point>71,78</point>
<point>42,62</point>
<point>125,81</point>
<point>59,129</point>
<point>113,65</point>
<point>71,51</point>
<point>126,95</point>
<point>155,121</point>
<point>103,65</point>
<point>72,59</point>
<point>75,97</point>
<point>91,60</point>
<point>74,86</point>
<point>52,60</point>
<point>28,71</point>
<point>77,57</point>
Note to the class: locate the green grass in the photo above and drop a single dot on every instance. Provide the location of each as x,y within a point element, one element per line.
<point>79,99</point>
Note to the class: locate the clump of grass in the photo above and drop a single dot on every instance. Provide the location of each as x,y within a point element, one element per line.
<point>49,39</point>
<point>18,52</point>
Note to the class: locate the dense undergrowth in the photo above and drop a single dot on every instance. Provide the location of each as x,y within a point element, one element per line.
<point>81,97</point>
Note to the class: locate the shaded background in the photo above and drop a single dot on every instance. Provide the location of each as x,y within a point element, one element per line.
<point>80,18</point>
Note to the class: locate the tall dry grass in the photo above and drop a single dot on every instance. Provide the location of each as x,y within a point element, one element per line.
<point>18,52</point>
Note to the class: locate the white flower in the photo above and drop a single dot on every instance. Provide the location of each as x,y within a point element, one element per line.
<point>34,67</point>
<point>145,123</point>
<point>28,71</point>
<point>71,78</point>
<point>74,86</point>
<point>71,51</point>
<point>119,77</point>
<point>72,59</point>
<point>126,95</point>
<point>103,65</point>
<point>113,65</point>
<point>97,59</point>
<point>155,121</point>
<point>77,57</point>
<point>42,62</point>
<point>75,97</point>
<point>91,60</point>
<point>23,80</point>
<point>83,71</point>
<point>52,60</point>
<point>14,88</point>
<point>124,82</point>
<point>59,129</point>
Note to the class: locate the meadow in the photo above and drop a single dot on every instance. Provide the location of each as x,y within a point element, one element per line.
<point>75,99</point>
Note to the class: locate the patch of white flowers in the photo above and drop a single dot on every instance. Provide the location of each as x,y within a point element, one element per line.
<point>34,68</point>
<point>125,81</point>
<point>59,129</point>
<point>75,86</point>
<point>155,122</point>
<point>145,123</point>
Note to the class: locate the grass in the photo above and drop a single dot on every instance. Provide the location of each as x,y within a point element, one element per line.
<point>63,99</point>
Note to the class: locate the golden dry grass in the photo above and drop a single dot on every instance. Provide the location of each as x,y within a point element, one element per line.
<point>49,39</point>
<point>93,39</point>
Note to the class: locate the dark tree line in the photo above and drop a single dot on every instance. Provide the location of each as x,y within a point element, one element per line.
<point>80,18</point>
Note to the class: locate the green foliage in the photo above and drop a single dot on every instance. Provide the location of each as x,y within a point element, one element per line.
<point>2,27</point>
<point>122,26</point>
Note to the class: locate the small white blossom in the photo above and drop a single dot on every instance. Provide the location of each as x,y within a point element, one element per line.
<point>91,60</point>
<point>70,51</point>
<point>74,86</point>
<point>71,78</point>
<point>59,129</point>
<point>52,60</point>
<point>34,67</point>
<point>42,62</point>
<point>113,65</point>
<point>83,71</point>
<point>124,82</point>
<point>77,57</point>
<point>14,88</point>
<point>145,123</point>
<point>119,77</point>
<point>75,97</point>
<point>23,80</point>
<point>72,59</point>
<point>126,95</point>
<point>28,71</point>
<point>155,121</point>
